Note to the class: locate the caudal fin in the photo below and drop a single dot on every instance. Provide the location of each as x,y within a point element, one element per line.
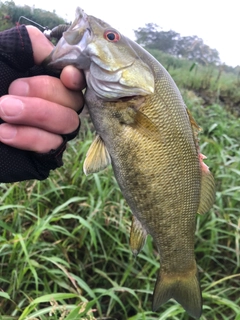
<point>185,289</point>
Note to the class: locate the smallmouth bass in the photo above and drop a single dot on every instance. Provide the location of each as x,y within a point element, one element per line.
<point>146,132</point>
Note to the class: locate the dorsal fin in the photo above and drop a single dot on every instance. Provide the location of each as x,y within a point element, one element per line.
<point>207,196</point>
<point>193,122</point>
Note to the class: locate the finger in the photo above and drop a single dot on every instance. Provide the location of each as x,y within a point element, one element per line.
<point>38,113</point>
<point>41,46</point>
<point>47,88</point>
<point>73,78</point>
<point>28,138</point>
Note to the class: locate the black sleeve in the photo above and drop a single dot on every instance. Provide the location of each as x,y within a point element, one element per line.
<point>16,61</point>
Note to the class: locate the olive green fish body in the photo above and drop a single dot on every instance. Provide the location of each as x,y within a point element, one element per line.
<point>158,173</point>
<point>145,131</point>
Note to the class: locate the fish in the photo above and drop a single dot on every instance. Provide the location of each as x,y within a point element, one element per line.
<point>145,131</point>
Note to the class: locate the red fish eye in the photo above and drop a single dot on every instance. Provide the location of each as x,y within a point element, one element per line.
<point>111,35</point>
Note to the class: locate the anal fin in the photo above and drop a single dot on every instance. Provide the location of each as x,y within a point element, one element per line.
<point>137,236</point>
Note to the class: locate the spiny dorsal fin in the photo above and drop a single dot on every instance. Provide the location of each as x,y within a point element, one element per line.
<point>207,197</point>
<point>97,157</point>
<point>194,124</point>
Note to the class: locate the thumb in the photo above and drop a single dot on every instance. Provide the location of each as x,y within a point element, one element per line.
<point>41,46</point>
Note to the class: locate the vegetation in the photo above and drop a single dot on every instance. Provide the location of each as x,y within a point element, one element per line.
<point>64,251</point>
<point>10,15</point>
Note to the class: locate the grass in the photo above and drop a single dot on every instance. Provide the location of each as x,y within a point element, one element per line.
<point>64,251</point>
<point>215,84</point>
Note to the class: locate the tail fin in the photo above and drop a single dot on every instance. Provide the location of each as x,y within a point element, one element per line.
<point>185,289</point>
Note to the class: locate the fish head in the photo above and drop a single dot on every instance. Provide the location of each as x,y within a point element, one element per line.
<point>111,63</point>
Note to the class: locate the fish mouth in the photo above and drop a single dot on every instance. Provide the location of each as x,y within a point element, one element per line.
<point>71,48</point>
<point>65,54</point>
<point>127,98</point>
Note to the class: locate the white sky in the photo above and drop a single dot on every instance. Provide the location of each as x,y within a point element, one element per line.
<point>217,22</point>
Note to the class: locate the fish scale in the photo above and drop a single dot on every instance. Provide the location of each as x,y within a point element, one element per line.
<point>145,131</point>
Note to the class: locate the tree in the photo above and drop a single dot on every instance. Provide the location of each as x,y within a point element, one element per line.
<point>152,38</point>
<point>191,47</point>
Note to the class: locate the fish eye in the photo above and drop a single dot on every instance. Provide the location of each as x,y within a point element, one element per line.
<point>112,35</point>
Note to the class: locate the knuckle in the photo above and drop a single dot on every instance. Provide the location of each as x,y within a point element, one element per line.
<point>44,87</point>
<point>72,122</point>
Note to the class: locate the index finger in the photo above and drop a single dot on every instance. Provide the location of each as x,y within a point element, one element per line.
<point>41,46</point>
<point>47,88</point>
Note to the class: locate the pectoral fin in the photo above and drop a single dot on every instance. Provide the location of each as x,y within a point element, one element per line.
<point>137,236</point>
<point>144,125</point>
<point>207,188</point>
<point>135,118</point>
<point>97,157</point>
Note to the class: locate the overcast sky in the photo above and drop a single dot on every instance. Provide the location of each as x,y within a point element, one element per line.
<point>217,22</point>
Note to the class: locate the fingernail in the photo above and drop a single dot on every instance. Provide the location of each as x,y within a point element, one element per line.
<point>7,132</point>
<point>10,107</point>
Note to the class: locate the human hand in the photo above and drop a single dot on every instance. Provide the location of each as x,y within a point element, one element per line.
<point>39,110</point>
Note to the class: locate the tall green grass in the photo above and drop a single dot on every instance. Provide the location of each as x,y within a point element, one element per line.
<point>213,83</point>
<point>64,251</point>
